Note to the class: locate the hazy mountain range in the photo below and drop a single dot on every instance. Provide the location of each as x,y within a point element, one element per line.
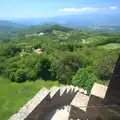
<point>88,21</point>
<point>79,19</point>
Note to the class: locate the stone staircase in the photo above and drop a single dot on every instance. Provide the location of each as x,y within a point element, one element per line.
<point>59,114</point>
<point>62,114</point>
<point>67,103</point>
<point>53,104</point>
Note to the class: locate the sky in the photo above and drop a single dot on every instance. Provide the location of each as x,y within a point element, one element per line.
<point>20,9</point>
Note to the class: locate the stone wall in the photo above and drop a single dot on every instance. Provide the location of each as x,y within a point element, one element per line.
<point>96,102</point>
<point>93,107</point>
<point>103,102</point>
<point>45,101</point>
<point>113,92</point>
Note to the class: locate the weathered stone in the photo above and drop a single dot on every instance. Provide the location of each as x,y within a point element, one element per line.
<point>85,92</point>
<point>68,89</point>
<point>46,101</point>
<point>98,90</point>
<point>53,91</point>
<point>96,101</point>
<point>63,90</point>
<point>55,97</point>
<point>78,107</point>
<point>81,90</point>
<point>61,114</point>
<point>72,88</point>
<point>113,93</point>
<point>76,88</point>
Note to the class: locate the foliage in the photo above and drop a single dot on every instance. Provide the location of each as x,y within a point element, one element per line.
<point>66,66</point>
<point>84,78</point>
<point>64,51</point>
<point>12,77</point>
<point>20,76</point>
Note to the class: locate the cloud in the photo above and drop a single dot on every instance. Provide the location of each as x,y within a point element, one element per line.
<point>86,9</point>
<point>78,9</point>
<point>113,8</point>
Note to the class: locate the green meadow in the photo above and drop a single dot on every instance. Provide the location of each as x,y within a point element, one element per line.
<point>14,95</point>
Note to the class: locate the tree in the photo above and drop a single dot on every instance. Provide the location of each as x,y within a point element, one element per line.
<point>66,65</point>
<point>103,66</point>
<point>2,65</point>
<point>10,50</point>
<point>28,49</point>
<point>45,67</point>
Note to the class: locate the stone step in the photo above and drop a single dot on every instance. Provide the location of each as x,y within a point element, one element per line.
<point>61,114</point>
<point>85,92</point>
<point>72,88</point>
<point>79,106</point>
<point>76,89</point>
<point>81,90</point>
<point>80,101</point>
<point>54,90</point>
<point>68,89</point>
<point>53,98</point>
<point>63,90</point>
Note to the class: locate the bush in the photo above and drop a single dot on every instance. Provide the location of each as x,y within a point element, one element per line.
<point>84,78</point>
<point>32,75</point>
<point>20,76</point>
<point>12,77</point>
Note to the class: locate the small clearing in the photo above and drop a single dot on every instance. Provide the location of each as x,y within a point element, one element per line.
<point>110,46</point>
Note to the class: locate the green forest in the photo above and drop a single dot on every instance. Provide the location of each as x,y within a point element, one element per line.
<point>38,56</point>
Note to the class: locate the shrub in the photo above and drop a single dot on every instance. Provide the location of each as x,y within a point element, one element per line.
<point>12,77</point>
<point>84,78</point>
<point>32,75</point>
<point>20,76</point>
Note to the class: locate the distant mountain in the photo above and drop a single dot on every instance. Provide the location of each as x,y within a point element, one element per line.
<point>77,21</point>
<point>8,29</point>
<point>99,21</point>
<point>46,28</point>
<point>9,26</point>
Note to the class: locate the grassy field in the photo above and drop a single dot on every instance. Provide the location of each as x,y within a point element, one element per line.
<point>110,46</point>
<point>13,95</point>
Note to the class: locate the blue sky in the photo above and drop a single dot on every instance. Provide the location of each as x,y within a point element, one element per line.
<point>16,9</point>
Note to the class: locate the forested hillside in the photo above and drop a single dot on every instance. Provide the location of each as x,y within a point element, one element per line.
<point>9,31</point>
<point>58,54</point>
<point>63,53</point>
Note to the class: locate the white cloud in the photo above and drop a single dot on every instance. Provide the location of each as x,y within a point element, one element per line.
<point>113,8</point>
<point>86,9</point>
<point>78,9</point>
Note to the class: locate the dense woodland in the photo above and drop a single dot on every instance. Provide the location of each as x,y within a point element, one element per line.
<point>78,57</point>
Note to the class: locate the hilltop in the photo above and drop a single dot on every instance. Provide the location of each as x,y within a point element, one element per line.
<point>46,28</point>
<point>48,55</point>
